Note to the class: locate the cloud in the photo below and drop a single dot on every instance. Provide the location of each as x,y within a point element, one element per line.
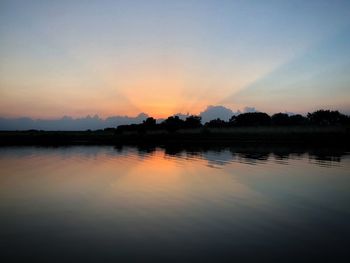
<point>214,112</point>
<point>182,116</point>
<point>249,109</point>
<point>69,123</point>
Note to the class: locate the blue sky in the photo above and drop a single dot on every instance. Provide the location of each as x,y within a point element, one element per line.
<point>163,57</point>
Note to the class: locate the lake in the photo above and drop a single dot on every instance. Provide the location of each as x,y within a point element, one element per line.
<point>128,204</point>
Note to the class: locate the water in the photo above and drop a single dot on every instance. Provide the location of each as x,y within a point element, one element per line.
<point>103,204</point>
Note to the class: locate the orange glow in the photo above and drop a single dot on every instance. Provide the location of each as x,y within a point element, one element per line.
<point>132,178</point>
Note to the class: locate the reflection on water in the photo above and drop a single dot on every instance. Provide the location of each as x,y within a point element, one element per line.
<point>106,204</point>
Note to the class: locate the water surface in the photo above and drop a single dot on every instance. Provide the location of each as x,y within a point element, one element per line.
<point>104,204</point>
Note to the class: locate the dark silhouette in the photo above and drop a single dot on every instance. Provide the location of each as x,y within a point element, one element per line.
<point>297,120</point>
<point>143,123</point>
<point>217,123</point>
<point>173,123</point>
<point>280,119</point>
<point>322,126</point>
<point>327,117</point>
<point>193,122</point>
<point>251,119</point>
<point>147,125</point>
<point>149,122</point>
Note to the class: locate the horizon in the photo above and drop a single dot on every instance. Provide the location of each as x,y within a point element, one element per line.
<point>109,58</point>
<point>181,114</point>
<point>95,122</point>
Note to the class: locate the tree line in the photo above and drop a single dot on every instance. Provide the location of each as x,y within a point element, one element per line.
<point>173,123</point>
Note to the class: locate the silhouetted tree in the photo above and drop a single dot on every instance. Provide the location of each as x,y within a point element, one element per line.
<point>280,119</point>
<point>127,128</point>
<point>217,123</point>
<point>173,123</point>
<point>150,122</point>
<point>251,119</point>
<point>112,130</point>
<point>298,120</point>
<point>193,122</point>
<point>327,117</point>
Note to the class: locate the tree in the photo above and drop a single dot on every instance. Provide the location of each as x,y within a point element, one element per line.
<point>251,119</point>
<point>217,123</point>
<point>173,123</point>
<point>327,117</point>
<point>193,122</point>
<point>149,122</point>
<point>280,119</point>
<point>298,120</point>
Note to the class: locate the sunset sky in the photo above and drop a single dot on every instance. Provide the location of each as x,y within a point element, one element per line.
<point>163,57</point>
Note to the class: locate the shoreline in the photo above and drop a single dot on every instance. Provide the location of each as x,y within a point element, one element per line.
<point>310,135</point>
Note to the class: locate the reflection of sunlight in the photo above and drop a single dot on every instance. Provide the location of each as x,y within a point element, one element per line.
<point>147,173</point>
<point>157,181</point>
<point>134,181</point>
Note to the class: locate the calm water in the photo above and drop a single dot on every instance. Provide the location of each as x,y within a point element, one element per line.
<point>103,204</point>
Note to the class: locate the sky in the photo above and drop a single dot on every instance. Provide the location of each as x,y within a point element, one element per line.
<point>110,58</point>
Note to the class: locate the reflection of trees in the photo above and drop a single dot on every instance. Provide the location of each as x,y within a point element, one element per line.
<point>146,149</point>
<point>247,154</point>
<point>250,155</point>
